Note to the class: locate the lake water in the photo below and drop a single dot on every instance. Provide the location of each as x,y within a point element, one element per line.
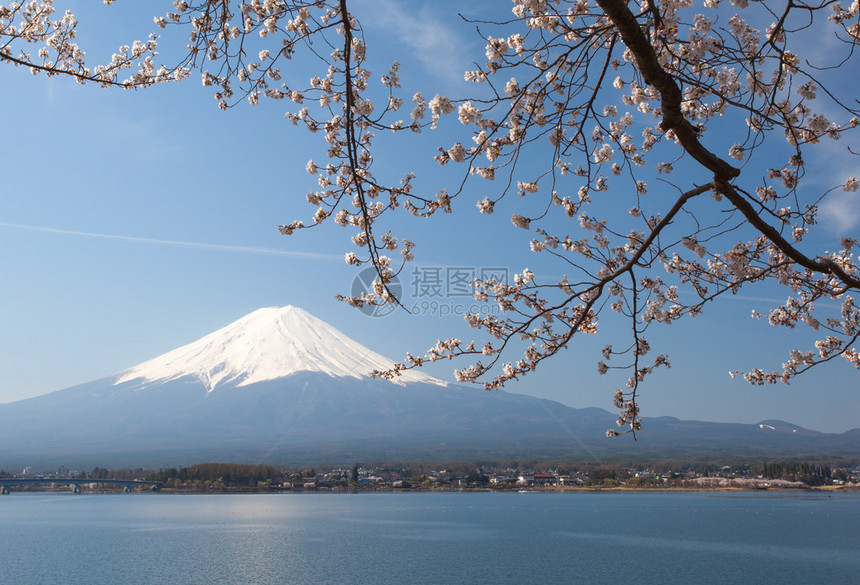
<point>431,538</point>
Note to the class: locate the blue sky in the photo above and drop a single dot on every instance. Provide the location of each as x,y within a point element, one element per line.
<point>135,222</point>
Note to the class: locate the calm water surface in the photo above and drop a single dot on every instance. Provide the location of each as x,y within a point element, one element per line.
<point>439,539</point>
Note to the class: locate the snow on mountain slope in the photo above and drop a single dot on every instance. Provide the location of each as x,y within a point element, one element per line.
<point>267,344</point>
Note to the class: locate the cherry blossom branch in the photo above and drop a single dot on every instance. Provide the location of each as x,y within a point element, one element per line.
<point>656,76</point>
<point>547,120</point>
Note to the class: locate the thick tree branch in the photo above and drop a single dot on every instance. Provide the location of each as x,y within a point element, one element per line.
<point>673,119</point>
<point>656,76</point>
<point>823,265</point>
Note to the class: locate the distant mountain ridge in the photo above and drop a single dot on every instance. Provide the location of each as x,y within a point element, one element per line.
<point>281,386</point>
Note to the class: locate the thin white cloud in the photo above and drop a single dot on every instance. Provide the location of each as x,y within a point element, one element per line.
<point>199,245</point>
<point>842,210</point>
<point>434,42</point>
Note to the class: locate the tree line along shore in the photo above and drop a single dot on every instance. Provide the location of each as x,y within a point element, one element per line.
<point>509,476</point>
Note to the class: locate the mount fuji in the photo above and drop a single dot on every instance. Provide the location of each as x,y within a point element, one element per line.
<point>281,386</point>
<point>265,345</point>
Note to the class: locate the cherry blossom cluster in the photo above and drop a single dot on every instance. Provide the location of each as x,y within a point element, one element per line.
<point>243,50</point>
<point>34,36</point>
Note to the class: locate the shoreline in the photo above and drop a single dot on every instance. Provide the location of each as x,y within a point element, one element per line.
<point>238,490</point>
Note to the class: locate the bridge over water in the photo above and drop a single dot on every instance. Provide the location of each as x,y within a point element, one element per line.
<point>75,484</point>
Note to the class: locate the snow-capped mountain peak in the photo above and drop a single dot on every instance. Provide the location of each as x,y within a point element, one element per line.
<point>270,343</point>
